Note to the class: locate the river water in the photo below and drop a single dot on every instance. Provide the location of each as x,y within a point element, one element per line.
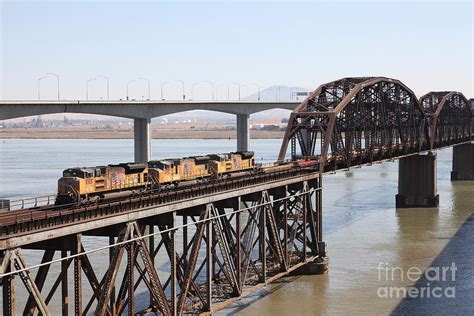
<point>376,251</point>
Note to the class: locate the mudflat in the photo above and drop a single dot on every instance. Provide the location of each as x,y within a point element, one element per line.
<point>81,132</point>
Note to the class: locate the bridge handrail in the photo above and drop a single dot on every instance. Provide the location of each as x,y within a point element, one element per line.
<point>30,202</point>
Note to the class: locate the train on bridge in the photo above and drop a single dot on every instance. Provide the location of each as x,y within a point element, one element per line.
<point>90,184</point>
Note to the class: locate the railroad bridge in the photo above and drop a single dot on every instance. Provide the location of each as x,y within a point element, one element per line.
<point>197,249</point>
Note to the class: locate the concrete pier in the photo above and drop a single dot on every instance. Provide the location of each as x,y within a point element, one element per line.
<point>142,139</point>
<point>243,132</point>
<point>463,162</point>
<point>417,182</point>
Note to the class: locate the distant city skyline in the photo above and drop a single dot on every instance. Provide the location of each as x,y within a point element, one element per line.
<point>427,45</point>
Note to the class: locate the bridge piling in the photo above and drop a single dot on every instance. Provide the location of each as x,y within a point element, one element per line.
<point>142,140</point>
<point>417,182</point>
<point>243,132</point>
<point>463,162</point>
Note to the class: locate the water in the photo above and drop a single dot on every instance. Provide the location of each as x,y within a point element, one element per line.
<point>32,167</point>
<point>363,230</point>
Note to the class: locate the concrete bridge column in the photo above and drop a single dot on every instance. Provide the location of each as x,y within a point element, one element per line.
<point>142,139</point>
<point>463,162</point>
<point>417,182</point>
<point>243,132</point>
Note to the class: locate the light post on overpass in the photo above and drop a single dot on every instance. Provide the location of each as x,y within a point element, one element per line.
<point>106,78</point>
<point>228,89</point>
<point>238,85</point>
<point>162,84</point>
<point>128,83</point>
<point>39,79</point>
<point>277,93</point>
<point>148,82</point>
<point>192,89</point>
<point>177,80</point>
<point>212,87</point>
<point>182,86</point>
<point>196,83</point>
<point>87,87</point>
<point>258,87</point>
<point>57,80</point>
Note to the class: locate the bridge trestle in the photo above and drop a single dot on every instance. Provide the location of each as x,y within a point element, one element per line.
<point>193,260</point>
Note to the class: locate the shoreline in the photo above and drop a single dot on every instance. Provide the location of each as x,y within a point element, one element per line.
<point>121,134</point>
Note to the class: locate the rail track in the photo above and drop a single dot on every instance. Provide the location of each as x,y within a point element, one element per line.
<point>36,218</point>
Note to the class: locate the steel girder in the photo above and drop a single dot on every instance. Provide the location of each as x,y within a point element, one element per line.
<point>355,121</point>
<point>449,117</point>
<point>226,250</point>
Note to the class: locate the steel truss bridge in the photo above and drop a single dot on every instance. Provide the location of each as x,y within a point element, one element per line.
<point>217,242</point>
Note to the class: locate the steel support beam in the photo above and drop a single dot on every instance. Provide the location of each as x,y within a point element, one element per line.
<point>226,255</point>
<point>64,285</point>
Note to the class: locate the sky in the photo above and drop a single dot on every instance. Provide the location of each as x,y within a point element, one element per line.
<point>427,45</point>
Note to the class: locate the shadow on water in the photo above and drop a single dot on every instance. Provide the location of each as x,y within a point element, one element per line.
<point>283,297</point>
<point>459,251</point>
<point>259,294</point>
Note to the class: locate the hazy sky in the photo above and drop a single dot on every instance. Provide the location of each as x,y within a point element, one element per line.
<point>427,45</point>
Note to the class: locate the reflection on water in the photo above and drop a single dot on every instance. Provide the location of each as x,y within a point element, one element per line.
<point>364,232</point>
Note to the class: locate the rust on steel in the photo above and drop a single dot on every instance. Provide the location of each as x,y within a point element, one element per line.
<point>355,121</point>
<point>449,116</point>
<point>231,247</point>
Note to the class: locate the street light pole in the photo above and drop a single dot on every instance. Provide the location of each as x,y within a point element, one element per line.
<point>128,83</point>
<point>277,93</point>
<point>87,87</point>
<point>217,90</point>
<point>259,87</point>
<point>106,78</point>
<point>238,84</point>
<point>39,79</point>
<point>57,80</point>
<point>182,86</point>
<point>162,84</point>
<point>148,82</point>
<point>212,87</point>
<point>192,89</point>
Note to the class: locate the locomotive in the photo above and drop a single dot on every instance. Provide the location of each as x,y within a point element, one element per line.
<point>113,181</point>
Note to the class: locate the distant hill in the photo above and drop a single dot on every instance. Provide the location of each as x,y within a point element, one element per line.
<point>277,93</point>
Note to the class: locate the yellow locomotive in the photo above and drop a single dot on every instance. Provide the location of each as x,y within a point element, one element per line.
<point>112,181</point>
<point>79,184</point>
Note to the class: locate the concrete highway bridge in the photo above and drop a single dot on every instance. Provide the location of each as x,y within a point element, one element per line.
<point>143,111</point>
<point>223,239</point>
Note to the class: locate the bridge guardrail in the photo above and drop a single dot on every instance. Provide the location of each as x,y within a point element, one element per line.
<point>31,202</point>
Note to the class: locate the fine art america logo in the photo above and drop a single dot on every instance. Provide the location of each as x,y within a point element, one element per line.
<point>434,281</point>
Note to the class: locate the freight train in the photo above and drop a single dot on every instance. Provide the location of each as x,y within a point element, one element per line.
<point>86,185</point>
<point>114,181</point>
